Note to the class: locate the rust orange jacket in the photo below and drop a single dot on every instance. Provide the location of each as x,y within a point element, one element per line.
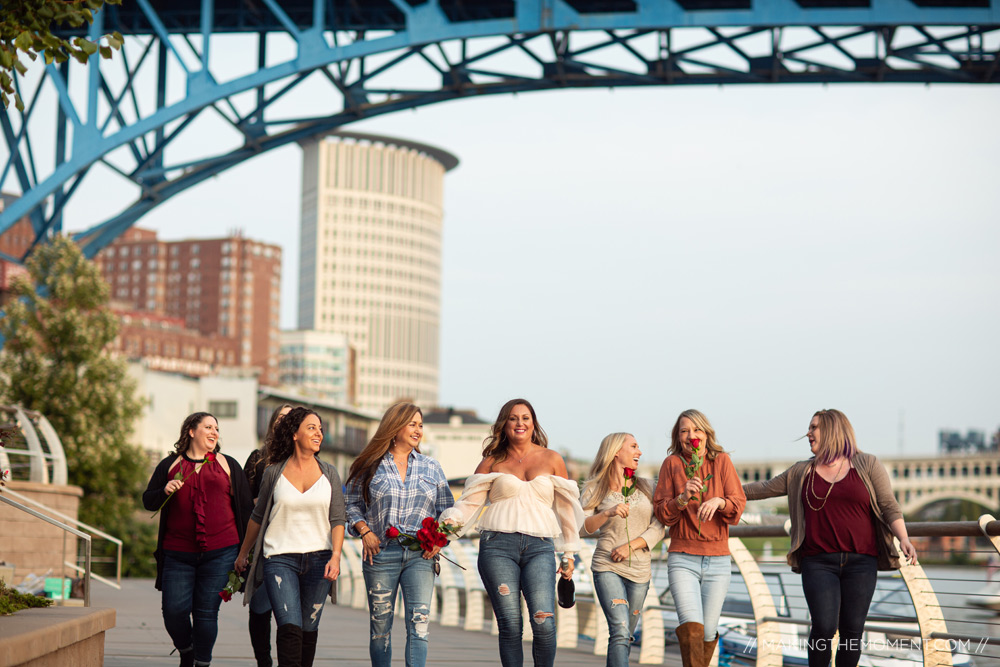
<point>683,521</point>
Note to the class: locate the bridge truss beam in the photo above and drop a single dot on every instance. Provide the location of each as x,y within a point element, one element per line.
<point>133,115</point>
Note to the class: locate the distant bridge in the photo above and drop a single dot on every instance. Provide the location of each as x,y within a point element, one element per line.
<point>134,116</point>
<point>919,481</point>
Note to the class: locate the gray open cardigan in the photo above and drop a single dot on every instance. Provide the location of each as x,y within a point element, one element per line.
<point>883,505</point>
<point>262,515</point>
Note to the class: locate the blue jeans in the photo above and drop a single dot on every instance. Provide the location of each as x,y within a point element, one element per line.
<point>838,589</point>
<point>190,586</point>
<point>259,602</point>
<point>296,588</point>
<point>621,600</point>
<point>698,585</point>
<point>512,564</point>
<point>393,568</point>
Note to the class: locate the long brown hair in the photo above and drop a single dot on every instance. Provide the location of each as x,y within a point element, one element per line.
<point>597,488</point>
<point>497,444</point>
<point>363,468</point>
<point>192,422</point>
<point>269,436</point>
<point>836,436</point>
<point>712,447</point>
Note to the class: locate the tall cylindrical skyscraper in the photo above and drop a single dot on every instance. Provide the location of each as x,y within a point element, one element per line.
<point>370,258</point>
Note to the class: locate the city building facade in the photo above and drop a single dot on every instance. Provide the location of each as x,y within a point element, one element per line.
<point>455,438</point>
<point>226,287</point>
<point>370,259</point>
<point>317,363</point>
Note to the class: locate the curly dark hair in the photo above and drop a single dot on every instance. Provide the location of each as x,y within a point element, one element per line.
<point>283,443</point>
<point>184,441</point>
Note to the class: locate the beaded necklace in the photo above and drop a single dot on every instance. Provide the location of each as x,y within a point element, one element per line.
<point>812,486</point>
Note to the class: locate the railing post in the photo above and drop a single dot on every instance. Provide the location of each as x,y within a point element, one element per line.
<point>768,632</point>
<point>930,617</point>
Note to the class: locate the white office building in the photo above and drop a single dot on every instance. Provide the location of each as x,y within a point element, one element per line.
<point>318,364</point>
<point>370,262</point>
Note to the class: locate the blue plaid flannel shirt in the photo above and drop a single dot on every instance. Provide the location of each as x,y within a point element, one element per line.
<point>395,503</point>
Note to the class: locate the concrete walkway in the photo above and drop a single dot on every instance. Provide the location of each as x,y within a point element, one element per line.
<point>139,640</point>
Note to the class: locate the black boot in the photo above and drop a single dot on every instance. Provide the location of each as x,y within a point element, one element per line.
<point>309,647</point>
<point>289,641</point>
<point>187,656</point>
<point>260,638</point>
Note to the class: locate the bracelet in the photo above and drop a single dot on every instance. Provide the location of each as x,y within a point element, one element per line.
<point>682,504</point>
<point>364,533</point>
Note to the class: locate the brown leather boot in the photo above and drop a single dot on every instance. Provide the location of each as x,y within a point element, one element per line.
<point>708,650</point>
<point>691,637</point>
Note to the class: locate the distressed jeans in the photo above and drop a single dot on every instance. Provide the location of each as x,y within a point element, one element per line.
<point>296,587</point>
<point>622,601</point>
<point>393,568</point>
<point>838,589</point>
<point>191,584</point>
<point>698,585</point>
<point>512,564</point>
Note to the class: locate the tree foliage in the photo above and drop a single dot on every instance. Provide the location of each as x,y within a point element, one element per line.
<point>26,26</point>
<point>56,360</point>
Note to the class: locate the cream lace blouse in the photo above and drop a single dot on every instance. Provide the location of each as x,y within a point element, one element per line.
<point>546,506</point>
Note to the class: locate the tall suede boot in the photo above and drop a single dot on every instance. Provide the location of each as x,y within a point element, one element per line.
<point>289,641</point>
<point>691,637</point>
<point>708,650</point>
<point>309,647</point>
<point>260,638</point>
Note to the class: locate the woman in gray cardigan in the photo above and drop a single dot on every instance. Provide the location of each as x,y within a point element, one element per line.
<point>843,518</point>
<point>296,532</point>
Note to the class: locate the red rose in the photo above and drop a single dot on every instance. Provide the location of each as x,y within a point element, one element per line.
<point>695,443</point>
<point>225,595</point>
<point>392,532</point>
<point>209,457</point>
<point>629,472</point>
<point>441,539</point>
<point>429,523</point>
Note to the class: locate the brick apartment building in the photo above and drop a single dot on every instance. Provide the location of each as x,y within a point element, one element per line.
<point>226,289</point>
<point>13,243</point>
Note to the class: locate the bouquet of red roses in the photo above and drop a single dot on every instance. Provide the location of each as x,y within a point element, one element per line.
<point>430,536</point>
<point>235,581</point>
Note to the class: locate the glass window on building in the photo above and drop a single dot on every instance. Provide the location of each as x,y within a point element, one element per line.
<point>223,409</point>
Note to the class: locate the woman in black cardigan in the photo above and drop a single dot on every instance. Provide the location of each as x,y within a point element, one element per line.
<point>199,535</point>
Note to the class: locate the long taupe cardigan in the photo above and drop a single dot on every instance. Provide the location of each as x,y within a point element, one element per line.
<point>883,504</point>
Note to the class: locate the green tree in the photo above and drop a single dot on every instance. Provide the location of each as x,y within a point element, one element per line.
<point>27,26</point>
<point>56,359</point>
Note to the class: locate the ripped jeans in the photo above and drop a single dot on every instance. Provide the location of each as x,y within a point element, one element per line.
<point>393,568</point>
<point>622,601</point>
<point>512,564</point>
<point>296,587</point>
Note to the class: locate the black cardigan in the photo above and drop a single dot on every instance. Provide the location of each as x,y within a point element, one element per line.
<point>154,495</point>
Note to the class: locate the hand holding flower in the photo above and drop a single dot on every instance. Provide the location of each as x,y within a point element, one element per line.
<point>621,509</point>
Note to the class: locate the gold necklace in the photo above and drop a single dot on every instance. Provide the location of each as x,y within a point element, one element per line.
<point>812,487</point>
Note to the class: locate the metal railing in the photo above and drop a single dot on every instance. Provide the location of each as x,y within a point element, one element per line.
<point>771,613</point>
<point>117,583</point>
<point>69,529</point>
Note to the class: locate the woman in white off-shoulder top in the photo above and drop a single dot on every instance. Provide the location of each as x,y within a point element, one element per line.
<point>532,511</point>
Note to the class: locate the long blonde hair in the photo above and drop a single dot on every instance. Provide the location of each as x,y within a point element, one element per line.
<point>363,468</point>
<point>496,444</point>
<point>712,447</point>
<point>598,486</point>
<point>836,436</point>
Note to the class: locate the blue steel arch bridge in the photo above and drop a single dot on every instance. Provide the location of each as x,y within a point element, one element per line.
<point>134,115</point>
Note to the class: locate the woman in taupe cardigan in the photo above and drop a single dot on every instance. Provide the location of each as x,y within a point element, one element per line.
<point>843,518</point>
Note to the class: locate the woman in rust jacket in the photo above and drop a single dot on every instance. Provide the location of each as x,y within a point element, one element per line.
<point>698,496</point>
<point>843,518</point>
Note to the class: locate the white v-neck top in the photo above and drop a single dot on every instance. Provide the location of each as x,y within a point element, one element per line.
<point>299,522</point>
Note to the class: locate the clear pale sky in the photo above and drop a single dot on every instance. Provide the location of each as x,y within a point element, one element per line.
<point>757,253</point>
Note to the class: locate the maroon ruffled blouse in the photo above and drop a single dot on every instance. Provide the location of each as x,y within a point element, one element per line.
<point>201,513</point>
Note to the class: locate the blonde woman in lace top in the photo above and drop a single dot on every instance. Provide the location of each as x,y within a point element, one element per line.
<point>531,511</point>
<point>627,531</point>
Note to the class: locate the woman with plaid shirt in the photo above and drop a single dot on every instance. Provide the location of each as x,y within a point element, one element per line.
<point>392,485</point>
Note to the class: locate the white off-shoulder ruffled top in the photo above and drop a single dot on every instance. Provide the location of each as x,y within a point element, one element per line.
<point>546,506</point>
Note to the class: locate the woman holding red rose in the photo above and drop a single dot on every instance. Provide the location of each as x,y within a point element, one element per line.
<point>394,490</point>
<point>698,496</point>
<point>612,496</point>
<point>204,504</point>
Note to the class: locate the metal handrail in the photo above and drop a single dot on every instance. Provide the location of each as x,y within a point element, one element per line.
<point>84,536</point>
<point>87,527</point>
